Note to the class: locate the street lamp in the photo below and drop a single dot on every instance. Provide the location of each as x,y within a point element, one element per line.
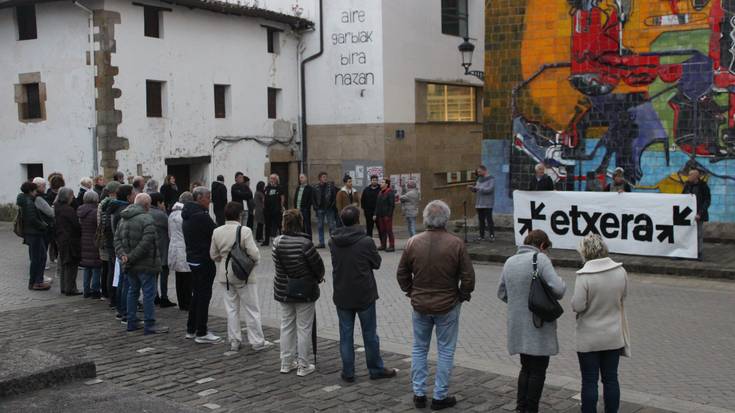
<point>467,49</point>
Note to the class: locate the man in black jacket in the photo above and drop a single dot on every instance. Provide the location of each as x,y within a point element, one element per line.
<point>303,200</point>
<point>34,232</point>
<point>354,257</point>
<point>219,199</point>
<point>241,193</point>
<point>368,200</point>
<point>700,190</point>
<point>198,228</point>
<point>541,181</point>
<point>325,197</point>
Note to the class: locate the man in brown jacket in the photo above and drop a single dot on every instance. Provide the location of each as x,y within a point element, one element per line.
<point>437,273</point>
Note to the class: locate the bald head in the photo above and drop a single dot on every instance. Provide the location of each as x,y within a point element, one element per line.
<point>143,200</point>
<point>694,176</point>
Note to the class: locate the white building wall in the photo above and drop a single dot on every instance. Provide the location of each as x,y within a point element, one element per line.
<point>223,49</point>
<point>63,142</point>
<point>345,84</point>
<point>415,48</point>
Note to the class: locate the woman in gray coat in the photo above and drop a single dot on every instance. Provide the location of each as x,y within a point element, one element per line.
<point>535,345</point>
<point>410,206</point>
<point>602,327</point>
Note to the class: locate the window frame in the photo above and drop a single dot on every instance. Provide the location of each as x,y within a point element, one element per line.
<point>472,109</point>
<point>150,99</point>
<point>35,99</point>
<point>456,17</point>
<point>30,32</point>
<point>149,31</point>
<point>273,94</point>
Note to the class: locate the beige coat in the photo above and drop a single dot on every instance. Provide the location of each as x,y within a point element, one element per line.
<point>599,295</point>
<point>223,240</point>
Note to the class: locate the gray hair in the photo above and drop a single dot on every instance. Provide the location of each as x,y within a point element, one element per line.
<point>39,181</point>
<point>539,166</point>
<point>143,199</point>
<point>185,197</point>
<point>436,214</point>
<point>592,247</point>
<point>86,182</point>
<point>278,178</point>
<point>151,186</point>
<point>64,196</point>
<point>91,197</point>
<point>199,192</point>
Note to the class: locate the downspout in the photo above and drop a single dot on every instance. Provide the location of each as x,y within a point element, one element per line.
<point>93,121</point>
<point>304,145</point>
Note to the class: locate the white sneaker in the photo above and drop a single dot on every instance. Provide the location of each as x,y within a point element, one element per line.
<point>208,339</point>
<point>265,346</point>
<point>234,345</point>
<point>189,336</point>
<point>289,367</point>
<point>306,370</point>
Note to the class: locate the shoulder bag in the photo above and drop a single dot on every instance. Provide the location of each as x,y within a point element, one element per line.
<point>242,264</point>
<point>541,301</point>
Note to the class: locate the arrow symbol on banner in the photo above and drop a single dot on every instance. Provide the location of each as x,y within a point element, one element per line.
<point>527,225</point>
<point>536,211</point>
<point>667,233</point>
<point>680,217</point>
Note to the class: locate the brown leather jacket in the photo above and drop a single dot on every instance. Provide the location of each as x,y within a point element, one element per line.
<point>436,272</point>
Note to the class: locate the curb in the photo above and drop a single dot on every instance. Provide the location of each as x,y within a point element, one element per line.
<point>676,270</point>
<point>48,378</point>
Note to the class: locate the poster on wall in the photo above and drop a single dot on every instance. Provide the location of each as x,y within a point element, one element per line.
<point>629,223</point>
<point>399,184</point>
<point>360,172</point>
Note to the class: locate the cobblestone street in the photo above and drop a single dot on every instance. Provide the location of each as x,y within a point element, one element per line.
<point>681,332</point>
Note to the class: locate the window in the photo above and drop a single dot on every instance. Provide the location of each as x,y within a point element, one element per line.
<point>26,18</point>
<point>272,102</point>
<point>154,98</point>
<point>272,39</point>
<point>454,17</point>
<point>152,22</point>
<point>33,170</point>
<point>448,103</point>
<point>454,178</point>
<point>220,100</point>
<point>32,105</point>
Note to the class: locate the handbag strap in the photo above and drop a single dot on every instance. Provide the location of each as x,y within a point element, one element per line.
<point>537,322</point>
<point>534,274</point>
<point>236,244</point>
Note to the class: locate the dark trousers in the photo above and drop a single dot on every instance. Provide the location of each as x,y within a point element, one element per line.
<point>306,213</point>
<point>369,223</point>
<point>385,228</point>
<point>163,278</point>
<point>596,364</point>
<point>485,217</point>
<point>271,227</point>
<point>111,291</point>
<point>37,255</point>
<point>202,278</point>
<point>531,382</point>
<point>183,290</point>
<point>259,232</point>
<point>219,216</point>
<point>103,278</point>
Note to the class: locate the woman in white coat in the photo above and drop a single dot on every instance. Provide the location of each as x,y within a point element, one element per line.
<point>238,293</point>
<point>602,328</point>
<point>177,252</point>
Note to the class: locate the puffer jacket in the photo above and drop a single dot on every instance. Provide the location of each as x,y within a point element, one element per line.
<point>68,234</point>
<point>295,257</point>
<point>104,256</point>
<point>33,224</point>
<point>161,220</point>
<point>87,214</point>
<point>177,246</point>
<point>137,239</point>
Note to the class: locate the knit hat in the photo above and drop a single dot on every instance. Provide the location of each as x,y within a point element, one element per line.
<point>112,186</point>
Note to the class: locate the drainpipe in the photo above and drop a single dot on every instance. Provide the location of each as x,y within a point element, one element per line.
<point>304,146</point>
<point>93,121</point>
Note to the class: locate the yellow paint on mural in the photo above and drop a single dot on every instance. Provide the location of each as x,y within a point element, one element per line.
<point>547,39</point>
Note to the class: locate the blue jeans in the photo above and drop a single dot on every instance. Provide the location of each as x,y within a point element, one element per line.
<point>146,281</point>
<point>37,256</point>
<point>306,213</point>
<point>330,216</point>
<point>411,224</point>
<point>447,331</point>
<point>91,276</point>
<point>593,365</point>
<point>122,294</point>
<point>368,323</point>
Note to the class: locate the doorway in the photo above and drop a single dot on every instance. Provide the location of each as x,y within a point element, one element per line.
<point>182,173</point>
<point>189,170</point>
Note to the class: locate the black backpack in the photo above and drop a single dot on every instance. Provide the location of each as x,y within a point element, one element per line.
<point>242,264</point>
<point>541,301</point>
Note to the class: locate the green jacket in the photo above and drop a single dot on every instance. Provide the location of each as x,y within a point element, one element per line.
<point>33,224</point>
<point>136,238</point>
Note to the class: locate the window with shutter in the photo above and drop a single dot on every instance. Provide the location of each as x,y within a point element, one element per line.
<point>272,103</point>
<point>154,103</point>
<point>26,18</point>
<point>152,22</point>
<point>454,17</point>
<point>220,101</point>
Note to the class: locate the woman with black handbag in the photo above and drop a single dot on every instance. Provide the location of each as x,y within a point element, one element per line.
<point>528,335</point>
<point>299,270</point>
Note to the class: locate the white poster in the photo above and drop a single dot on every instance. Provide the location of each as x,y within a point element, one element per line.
<point>630,223</point>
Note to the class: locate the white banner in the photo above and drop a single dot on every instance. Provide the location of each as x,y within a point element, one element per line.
<point>630,223</point>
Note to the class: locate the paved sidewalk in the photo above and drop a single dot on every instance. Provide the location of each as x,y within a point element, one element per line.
<point>209,377</point>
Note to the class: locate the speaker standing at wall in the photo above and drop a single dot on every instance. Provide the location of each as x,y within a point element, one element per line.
<point>484,188</point>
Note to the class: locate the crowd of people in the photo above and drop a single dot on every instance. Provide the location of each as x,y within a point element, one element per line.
<point>128,237</point>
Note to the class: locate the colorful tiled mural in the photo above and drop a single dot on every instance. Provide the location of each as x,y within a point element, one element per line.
<point>586,86</point>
